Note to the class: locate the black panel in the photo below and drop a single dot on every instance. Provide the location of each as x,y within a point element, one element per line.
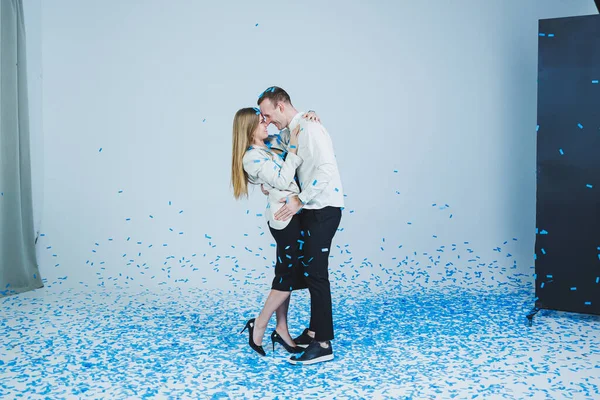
<point>568,160</point>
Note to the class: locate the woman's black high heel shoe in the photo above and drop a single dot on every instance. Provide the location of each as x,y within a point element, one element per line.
<point>255,347</point>
<point>276,338</point>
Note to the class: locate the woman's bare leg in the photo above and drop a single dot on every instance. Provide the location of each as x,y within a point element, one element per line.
<point>282,325</point>
<point>275,299</point>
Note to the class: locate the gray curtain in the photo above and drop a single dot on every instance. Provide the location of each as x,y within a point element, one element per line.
<point>18,263</point>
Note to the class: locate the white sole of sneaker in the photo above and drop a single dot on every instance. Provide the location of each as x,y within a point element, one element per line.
<point>313,361</point>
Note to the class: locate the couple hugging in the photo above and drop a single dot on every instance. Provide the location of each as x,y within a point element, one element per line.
<point>298,172</point>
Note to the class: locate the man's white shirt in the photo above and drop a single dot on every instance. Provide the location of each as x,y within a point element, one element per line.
<point>320,182</point>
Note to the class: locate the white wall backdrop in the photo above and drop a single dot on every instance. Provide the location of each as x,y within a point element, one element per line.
<point>431,106</point>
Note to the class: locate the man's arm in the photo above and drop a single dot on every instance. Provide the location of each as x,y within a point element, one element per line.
<point>321,149</point>
<point>319,181</point>
<point>320,146</point>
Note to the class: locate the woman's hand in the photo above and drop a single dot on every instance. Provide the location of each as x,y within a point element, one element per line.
<point>312,116</point>
<point>294,139</point>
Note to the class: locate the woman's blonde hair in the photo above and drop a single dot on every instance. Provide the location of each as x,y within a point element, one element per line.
<point>245,122</point>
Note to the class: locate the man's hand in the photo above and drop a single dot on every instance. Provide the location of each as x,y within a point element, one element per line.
<point>293,204</point>
<point>262,188</point>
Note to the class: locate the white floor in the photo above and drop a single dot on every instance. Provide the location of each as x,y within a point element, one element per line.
<point>180,343</point>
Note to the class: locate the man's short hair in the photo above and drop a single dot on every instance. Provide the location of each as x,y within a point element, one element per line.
<point>276,95</point>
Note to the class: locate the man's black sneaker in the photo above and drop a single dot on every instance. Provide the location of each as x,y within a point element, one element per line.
<point>313,354</point>
<point>303,340</point>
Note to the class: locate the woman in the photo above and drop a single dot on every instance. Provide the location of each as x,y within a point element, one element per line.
<point>274,166</point>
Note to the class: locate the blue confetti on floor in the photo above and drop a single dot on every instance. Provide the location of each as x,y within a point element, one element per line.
<point>184,343</point>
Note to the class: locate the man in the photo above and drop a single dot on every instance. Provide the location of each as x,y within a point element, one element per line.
<point>321,201</point>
